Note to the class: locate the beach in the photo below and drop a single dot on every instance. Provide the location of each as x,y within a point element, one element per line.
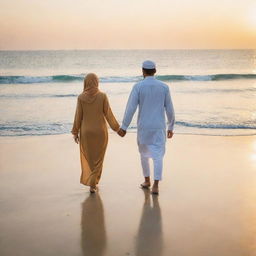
<point>186,68</point>
<point>206,204</point>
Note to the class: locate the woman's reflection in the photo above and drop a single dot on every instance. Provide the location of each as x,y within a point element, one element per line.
<point>149,240</point>
<point>93,237</point>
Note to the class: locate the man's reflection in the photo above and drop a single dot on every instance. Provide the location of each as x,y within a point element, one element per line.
<point>93,237</point>
<point>149,240</point>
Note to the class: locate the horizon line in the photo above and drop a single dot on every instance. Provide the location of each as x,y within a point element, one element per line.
<point>127,49</point>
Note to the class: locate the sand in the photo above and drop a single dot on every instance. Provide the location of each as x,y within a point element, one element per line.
<point>206,204</point>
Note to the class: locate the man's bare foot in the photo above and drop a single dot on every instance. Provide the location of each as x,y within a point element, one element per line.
<point>145,184</point>
<point>155,190</point>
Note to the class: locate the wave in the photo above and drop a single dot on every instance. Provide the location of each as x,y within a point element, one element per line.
<point>25,129</point>
<point>224,126</point>
<point>202,91</point>
<point>217,77</point>
<point>38,79</point>
<point>27,96</point>
<point>62,79</point>
<point>181,127</point>
<point>117,79</point>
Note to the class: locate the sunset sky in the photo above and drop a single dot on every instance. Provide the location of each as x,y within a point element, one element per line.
<point>133,24</point>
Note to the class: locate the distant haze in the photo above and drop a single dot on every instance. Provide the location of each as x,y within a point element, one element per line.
<point>133,24</point>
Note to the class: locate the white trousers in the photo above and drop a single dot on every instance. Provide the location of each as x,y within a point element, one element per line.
<point>156,152</point>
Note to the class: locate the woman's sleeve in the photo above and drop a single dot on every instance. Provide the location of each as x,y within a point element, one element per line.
<point>78,118</point>
<point>109,115</point>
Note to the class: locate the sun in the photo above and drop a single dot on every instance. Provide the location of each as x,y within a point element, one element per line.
<point>252,16</point>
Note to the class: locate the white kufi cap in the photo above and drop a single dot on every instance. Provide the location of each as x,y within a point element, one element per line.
<point>148,64</point>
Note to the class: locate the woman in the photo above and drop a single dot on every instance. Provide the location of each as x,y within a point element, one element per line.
<point>90,130</point>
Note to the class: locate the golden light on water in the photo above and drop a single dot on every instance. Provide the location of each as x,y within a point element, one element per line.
<point>253,156</point>
<point>254,92</point>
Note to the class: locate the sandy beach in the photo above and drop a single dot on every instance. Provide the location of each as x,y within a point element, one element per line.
<point>206,205</point>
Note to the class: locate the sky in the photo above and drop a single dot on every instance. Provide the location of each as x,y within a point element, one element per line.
<point>132,24</point>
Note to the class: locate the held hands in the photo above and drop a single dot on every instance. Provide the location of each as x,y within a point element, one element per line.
<point>121,132</point>
<point>169,134</point>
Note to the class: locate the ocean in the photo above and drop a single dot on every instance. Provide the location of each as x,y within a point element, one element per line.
<point>213,91</point>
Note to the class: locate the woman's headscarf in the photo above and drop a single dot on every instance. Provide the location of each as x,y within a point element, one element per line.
<point>90,92</point>
<point>91,84</point>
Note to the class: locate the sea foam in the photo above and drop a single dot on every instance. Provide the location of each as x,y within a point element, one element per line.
<point>121,79</point>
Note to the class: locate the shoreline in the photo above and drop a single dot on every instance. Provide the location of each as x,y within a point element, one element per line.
<point>129,132</point>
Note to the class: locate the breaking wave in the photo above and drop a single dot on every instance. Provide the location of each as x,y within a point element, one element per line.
<point>30,129</point>
<point>117,79</point>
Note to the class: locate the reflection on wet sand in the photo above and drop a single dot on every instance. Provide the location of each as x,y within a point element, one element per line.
<point>93,235</point>
<point>149,239</point>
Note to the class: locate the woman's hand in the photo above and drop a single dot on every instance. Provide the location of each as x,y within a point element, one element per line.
<point>121,132</point>
<point>76,138</point>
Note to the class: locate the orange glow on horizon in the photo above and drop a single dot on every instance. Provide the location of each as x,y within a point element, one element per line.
<point>114,24</point>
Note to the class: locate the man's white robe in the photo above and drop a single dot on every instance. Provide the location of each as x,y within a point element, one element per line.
<point>154,101</point>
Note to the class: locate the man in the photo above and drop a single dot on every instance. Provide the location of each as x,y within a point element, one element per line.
<point>153,98</point>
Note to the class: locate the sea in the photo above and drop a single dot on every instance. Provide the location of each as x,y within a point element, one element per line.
<point>213,91</point>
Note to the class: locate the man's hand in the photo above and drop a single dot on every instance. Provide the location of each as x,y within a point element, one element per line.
<point>121,132</point>
<point>169,134</point>
<point>76,139</point>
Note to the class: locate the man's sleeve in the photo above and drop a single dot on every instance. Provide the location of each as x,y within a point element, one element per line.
<point>169,110</point>
<point>131,107</point>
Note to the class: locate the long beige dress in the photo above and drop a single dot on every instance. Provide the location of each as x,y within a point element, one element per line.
<point>90,124</point>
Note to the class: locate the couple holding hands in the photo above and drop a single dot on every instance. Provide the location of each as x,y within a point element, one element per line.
<point>90,130</point>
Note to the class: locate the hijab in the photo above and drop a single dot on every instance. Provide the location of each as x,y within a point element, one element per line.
<point>91,84</point>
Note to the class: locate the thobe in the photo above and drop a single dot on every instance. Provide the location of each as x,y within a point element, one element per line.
<point>154,100</point>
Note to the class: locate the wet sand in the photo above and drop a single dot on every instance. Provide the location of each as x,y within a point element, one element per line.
<point>206,205</point>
